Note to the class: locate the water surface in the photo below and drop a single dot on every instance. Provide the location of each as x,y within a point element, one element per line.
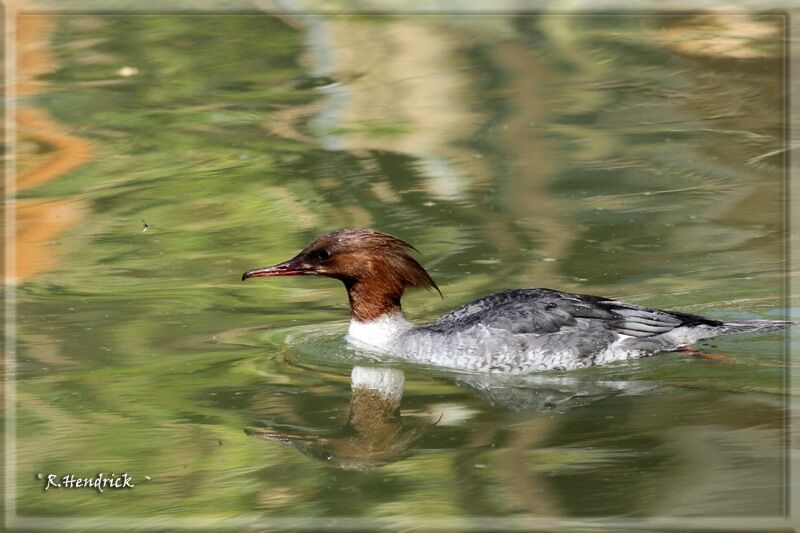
<point>633,156</point>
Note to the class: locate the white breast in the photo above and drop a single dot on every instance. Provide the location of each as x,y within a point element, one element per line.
<point>380,333</point>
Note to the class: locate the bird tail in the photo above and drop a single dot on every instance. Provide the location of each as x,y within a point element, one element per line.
<point>753,326</point>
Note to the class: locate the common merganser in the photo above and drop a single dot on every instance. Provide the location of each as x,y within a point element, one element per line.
<point>514,331</point>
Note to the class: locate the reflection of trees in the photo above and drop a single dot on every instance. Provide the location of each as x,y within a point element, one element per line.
<point>46,151</point>
<point>596,141</point>
<point>408,112</point>
<point>666,148</point>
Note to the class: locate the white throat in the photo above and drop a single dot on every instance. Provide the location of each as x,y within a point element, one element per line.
<point>380,333</point>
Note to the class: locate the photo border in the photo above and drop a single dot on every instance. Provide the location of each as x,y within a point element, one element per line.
<point>11,10</point>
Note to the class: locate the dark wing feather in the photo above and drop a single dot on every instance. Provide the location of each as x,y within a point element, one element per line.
<point>639,321</point>
<point>541,311</point>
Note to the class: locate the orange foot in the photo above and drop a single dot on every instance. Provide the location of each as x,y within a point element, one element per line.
<point>700,354</point>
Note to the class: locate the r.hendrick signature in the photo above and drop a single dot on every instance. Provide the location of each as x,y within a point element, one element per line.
<point>98,483</point>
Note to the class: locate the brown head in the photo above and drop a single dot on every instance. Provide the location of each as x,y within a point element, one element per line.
<point>375,268</point>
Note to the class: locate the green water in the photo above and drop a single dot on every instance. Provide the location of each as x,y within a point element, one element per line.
<point>638,157</point>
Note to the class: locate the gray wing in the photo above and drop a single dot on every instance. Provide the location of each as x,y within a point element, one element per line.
<point>542,311</point>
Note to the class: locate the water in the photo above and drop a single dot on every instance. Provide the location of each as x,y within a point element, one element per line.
<point>632,156</point>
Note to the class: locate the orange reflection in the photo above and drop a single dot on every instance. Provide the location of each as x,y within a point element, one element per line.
<point>38,223</point>
<point>60,151</point>
<point>45,151</point>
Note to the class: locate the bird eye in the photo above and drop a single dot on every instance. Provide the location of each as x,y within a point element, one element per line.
<point>323,255</point>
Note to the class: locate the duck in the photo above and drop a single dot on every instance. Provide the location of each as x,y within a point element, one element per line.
<point>517,331</point>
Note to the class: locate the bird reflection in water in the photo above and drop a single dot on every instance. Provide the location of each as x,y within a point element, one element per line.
<point>548,393</point>
<point>376,433</point>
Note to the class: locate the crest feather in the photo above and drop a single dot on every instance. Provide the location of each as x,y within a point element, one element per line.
<point>393,250</point>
